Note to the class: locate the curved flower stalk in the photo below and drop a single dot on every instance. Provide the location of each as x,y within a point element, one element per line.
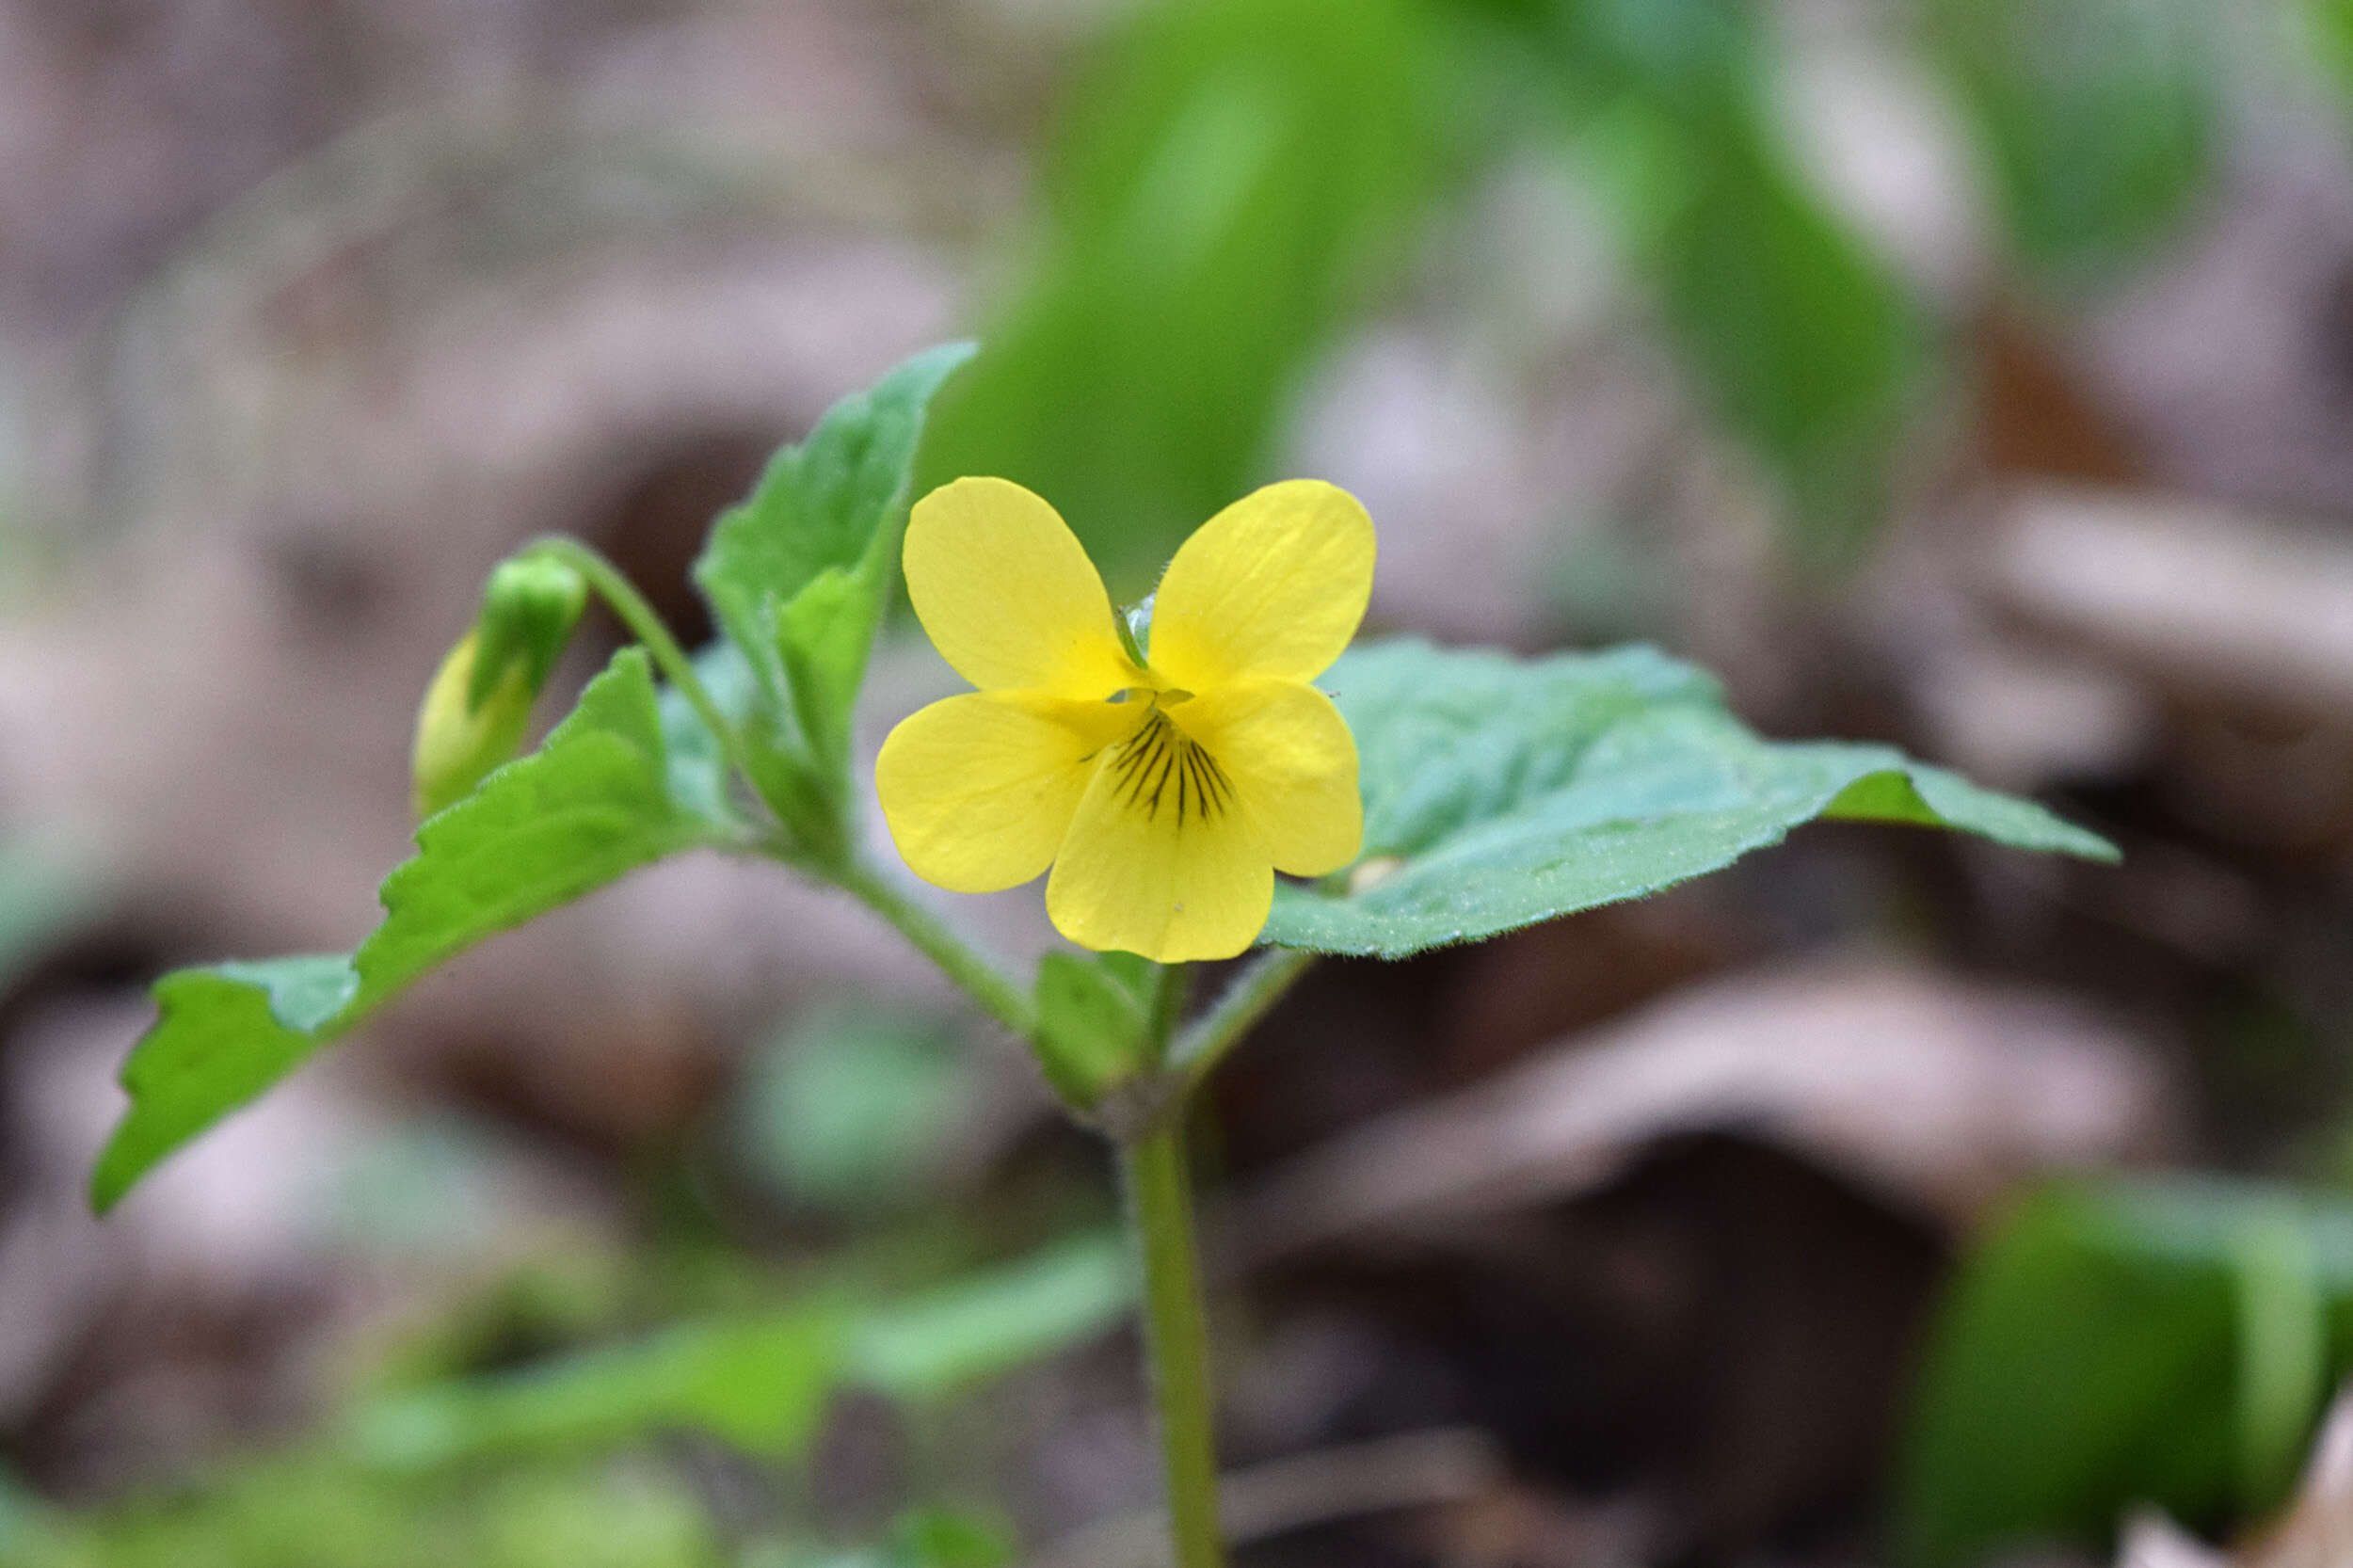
<point>1166,787</point>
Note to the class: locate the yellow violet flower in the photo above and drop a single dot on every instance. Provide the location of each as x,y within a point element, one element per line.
<point>1165,795</point>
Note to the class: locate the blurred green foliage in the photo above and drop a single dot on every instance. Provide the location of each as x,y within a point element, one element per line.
<point>932,1344</point>
<point>45,893</point>
<point>1800,340</point>
<point>320,1513</point>
<point>1234,183</point>
<point>1230,183</point>
<point>760,1379</point>
<point>757,1381</point>
<point>628,1512</point>
<point>2330,25</point>
<point>2115,1343</point>
<point>927,1538</point>
<point>561,1461</point>
<point>2095,117</point>
<point>847,1112</point>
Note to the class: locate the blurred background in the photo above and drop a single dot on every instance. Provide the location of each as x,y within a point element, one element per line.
<point>1976,374</point>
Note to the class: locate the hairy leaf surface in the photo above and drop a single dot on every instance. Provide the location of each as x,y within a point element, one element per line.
<point>1500,792</point>
<point>594,801</point>
<point>799,573</point>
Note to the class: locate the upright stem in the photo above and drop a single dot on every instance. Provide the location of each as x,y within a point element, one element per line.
<point>1168,1005</point>
<point>1176,1337</point>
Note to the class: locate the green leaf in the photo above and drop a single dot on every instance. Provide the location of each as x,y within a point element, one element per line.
<point>2327,27</point>
<point>314,1509</point>
<point>985,1326</point>
<point>1231,181</point>
<point>1805,343</point>
<point>591,803</point>
<point>760,1383</point>
<point>2096,117</point>
<point>798,574</point>
<point>2125,1342</point>
<point>1091,1022</point>
<point>23,1519</point>
<point>1500,792</point>
<point>697,762</point>
<point>221,1036</point>
<point>1808,348</point>
<point>847,1112</point>
<point>761,1380</point>
<point>946,1538</point>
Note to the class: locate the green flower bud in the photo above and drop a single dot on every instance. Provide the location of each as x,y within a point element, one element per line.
<point>479,704</point>
<point>529,608</point>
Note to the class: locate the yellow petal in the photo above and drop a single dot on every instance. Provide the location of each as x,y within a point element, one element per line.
<point>1294,766</point>
<point>1160,861</point>
<point>980,789</point>
<point>1272,586</point>
<point>1008,594</point>
<point>457,747</point>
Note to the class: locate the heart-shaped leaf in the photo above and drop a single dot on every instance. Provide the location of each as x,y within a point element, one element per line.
<point>1500,792</point>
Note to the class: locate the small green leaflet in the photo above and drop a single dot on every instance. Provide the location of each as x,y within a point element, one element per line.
<point>1500,792</point>
<point>592,802</point>
<point>798,574</point>
<point>1092,1015</point>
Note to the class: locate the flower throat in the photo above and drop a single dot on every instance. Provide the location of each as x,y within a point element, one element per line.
<point>1160,767</point>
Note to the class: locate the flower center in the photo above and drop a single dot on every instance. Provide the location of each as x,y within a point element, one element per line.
<point>1160,767</point>
<point>1159,696</point>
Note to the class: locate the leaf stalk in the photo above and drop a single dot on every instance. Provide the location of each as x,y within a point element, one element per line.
<point>1247,999</point>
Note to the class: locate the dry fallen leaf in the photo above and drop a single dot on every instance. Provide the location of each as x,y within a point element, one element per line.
<point>1936,1091</point>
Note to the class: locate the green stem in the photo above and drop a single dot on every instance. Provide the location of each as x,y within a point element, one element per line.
<point>1247,999</point>
<point>1175,982</point>
<point>1176,1337</point>
<point>999,994</point>
<point>645,624</point>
